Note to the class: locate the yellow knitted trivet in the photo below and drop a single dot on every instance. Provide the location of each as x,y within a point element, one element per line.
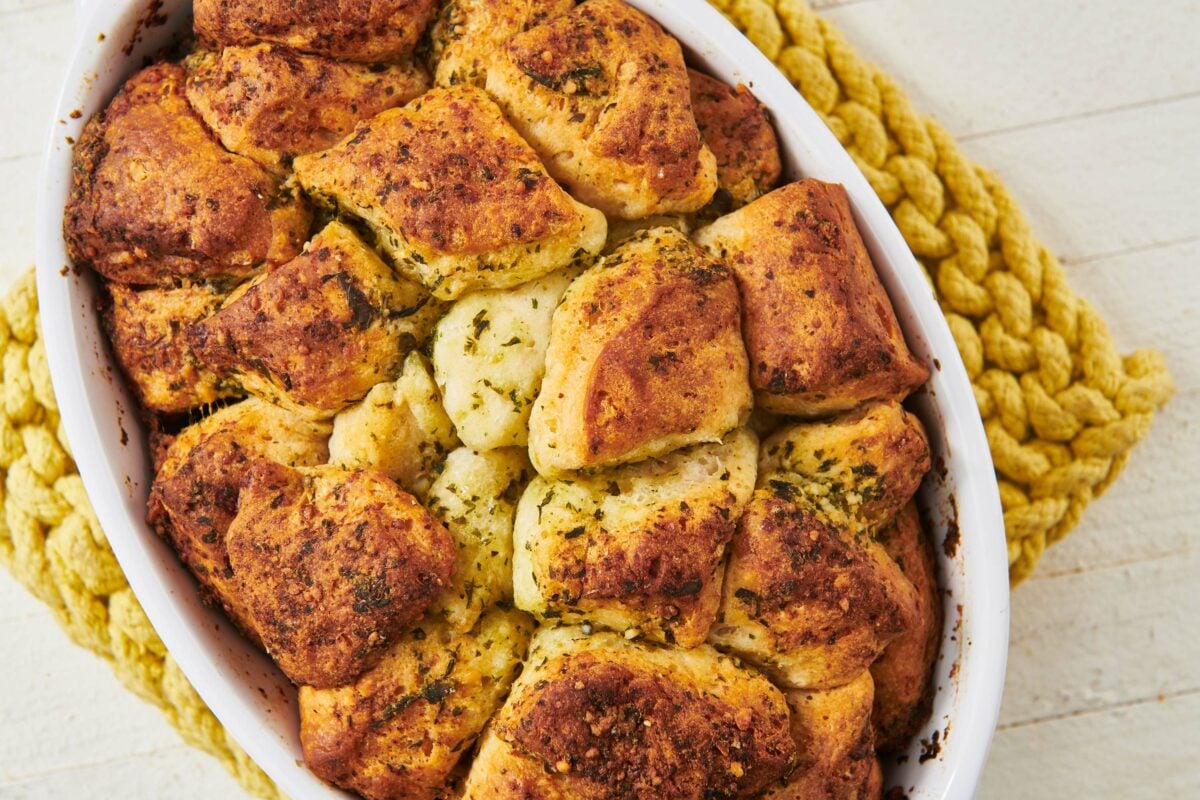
<point>1062,408</point>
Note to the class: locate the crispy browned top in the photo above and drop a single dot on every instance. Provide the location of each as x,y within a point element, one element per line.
<point>811,583</point>
<point>325,327</point>
<point>397,732</point>
<point>146,329</point>
<point>903,687</point>
<point>835,753</point>
<point>612,82</point>
<point>332,565</point>
<point>735,127</point>
<point>817,321</point>
<point>673,557</point>
<point>155,197</point>
<point>354,30</point>
<point>650,347</point>
<point>194,495</point>
<point>468,34</point>
<point>446,172</point>
<point>613,731</point>
<point>270,103</point>
<point>667,566</point>
<point>865,465</point>
<point>655,374</point>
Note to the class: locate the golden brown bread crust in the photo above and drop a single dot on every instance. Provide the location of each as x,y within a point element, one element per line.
<point>602,93</point>
<point>454,194</point>
<point>861,467</point>
<point>834,748</point>
<point>155,197</point>
<point>809,602</point>
<point>332,565</point>
<point>147,330</point>
<point>398,732</point>
<point>195,492</point>
<point>645,357</point>
<point>271,103</point>
<point>352,30</point>
<point>820,330</point>
<point>318,332</point>
<point>636,548</point>
<point>903,674</point>
<point>599,718</point>
<point>468,34</point>
<point>735,127</point>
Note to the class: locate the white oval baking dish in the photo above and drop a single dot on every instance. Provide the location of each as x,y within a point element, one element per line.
<point>242,687</point>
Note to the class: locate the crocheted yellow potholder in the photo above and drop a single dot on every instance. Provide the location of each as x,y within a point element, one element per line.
<point>1061,407</point>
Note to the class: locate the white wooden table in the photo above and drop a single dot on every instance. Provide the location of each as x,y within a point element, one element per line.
<point>1091,111</point>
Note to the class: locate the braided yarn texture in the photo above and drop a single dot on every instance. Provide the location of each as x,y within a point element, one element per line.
<point>52,543</point>
<point>1062,408</point>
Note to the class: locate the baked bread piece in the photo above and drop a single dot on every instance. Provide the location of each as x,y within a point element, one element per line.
<point>860,468</point>
<point>155,198</point>
<point>621,230</point>
<point>332,566</point>
<point>476,498</point>
<point>454,195</point>
<point>645,357</point>
<point>194,496</point>
<point>809,602</point>
<point>399,428</point>
<point>820,331</point>
<point>489,355</point>
<point>637,548</point>
<point>601,718</point>
<point>271,103</point>
<point>468,34</point>
<point>317,333</point>
<point>147,330</point>
<point>735,127</point>
<point>399,730</point>
<point>835,753</point>
<point>903,674</point>
<point>352,30</point>
<point>602,94</point>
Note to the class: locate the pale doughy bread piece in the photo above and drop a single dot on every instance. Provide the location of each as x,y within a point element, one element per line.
<point>454,195</point>
<point>645,357</point>
<point>399,428</point>
<point>861,467</point>
<point>597,717</point>
<point>602,94</point>
<point>476,498</point>
<point>820,331</point>
<point>807,601</point>
<point>352,30</point>
<point>489,355</point>
<point>636,548</point>
<point>835,753</point>
<point>398,732</point>
<point>468,34</point>
<point>317,333</point>
<point>619,230</point>
<point>271,103</point>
